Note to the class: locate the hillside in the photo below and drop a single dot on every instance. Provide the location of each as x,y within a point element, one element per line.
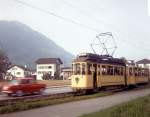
<point>24,45</point>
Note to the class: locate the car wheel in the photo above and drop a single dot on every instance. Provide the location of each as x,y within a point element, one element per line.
<point>41,91</point>
<point>19,93</point>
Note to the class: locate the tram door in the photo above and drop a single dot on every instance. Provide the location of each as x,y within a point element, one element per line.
<point>94,76</point>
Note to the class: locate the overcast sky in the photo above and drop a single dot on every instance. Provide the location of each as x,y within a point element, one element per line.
<point>128,21</point>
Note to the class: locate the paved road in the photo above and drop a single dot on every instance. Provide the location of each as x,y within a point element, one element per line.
<point>58,90</point>
<point>50,90</point>
<point>77,108</point>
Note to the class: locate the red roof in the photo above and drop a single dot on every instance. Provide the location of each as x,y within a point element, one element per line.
<point>49,61</point>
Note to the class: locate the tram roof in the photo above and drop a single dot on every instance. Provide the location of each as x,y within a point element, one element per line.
<point>89,57</point>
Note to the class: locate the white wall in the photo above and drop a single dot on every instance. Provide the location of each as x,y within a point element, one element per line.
<point>42,68</point>
<point>16,71</point>
<point>144,65</point>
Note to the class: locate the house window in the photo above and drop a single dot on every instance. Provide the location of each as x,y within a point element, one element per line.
<point>18,73</point>
<point>50,72</point>
<point>40,67</point>
<point>44,67</point>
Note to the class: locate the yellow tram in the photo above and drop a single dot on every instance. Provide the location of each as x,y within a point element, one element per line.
<point>92,71</point>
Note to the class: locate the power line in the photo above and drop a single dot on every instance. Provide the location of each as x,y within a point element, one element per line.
<point>99,21</point>
<point>70,20</point>
<point>58,16</point>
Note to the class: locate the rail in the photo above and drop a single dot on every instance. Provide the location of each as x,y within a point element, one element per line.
<point>12,101</point>
<point>35,98</point>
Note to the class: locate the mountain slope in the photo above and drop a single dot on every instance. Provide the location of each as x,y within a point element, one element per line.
<point>24,45</point>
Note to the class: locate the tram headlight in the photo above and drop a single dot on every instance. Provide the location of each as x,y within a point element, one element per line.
<point>77,80</point>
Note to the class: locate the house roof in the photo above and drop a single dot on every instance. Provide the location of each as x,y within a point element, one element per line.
<point>66,68</point>
<point>143,61</point>
<point>130,62</point>
<point>22,67</point>
<point>49,61</point>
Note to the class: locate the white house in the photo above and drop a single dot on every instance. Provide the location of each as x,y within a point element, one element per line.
<point>66,73</point>
<point>49,66</point>
<point>18,71</point>
<point>144,63</point>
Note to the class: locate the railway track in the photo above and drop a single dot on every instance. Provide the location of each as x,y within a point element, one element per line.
<point>13,100</point>
<point>35,98</point>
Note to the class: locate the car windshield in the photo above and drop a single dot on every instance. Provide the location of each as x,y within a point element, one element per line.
<point>14,82</point>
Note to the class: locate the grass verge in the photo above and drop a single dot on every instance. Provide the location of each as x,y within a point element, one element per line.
<point>46,101</point>
<point>139,107</point>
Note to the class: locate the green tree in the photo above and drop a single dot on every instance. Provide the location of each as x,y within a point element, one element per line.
<point>4,63</point>
<point>57,76</point>
<point>47,76</point>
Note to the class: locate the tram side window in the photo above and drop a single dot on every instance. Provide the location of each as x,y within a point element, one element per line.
<point>83,69</point>
<point>89,68</point>
<point>104,70</point>
<point>136,72</point>
<point>117,71</point>
<point>121,71</point>
<point>146,72</point>
<point>77,68</point>
<point>110,70</point>
<point>98,70</point>
<point>139,72</point>
<point>142,72</point>
<point>130,71</point>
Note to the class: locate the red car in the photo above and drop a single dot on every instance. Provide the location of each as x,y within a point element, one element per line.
<point>23,86</point>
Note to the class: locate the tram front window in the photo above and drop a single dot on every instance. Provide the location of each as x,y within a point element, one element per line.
<point>77,69</point>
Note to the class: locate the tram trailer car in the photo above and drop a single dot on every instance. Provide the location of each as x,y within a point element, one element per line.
<point>92,72</point>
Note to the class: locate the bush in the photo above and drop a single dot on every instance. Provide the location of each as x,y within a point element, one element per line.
<point>47,76</point>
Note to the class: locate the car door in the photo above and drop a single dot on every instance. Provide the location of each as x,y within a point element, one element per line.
<point>34,87</point>
<point>25,86</point>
